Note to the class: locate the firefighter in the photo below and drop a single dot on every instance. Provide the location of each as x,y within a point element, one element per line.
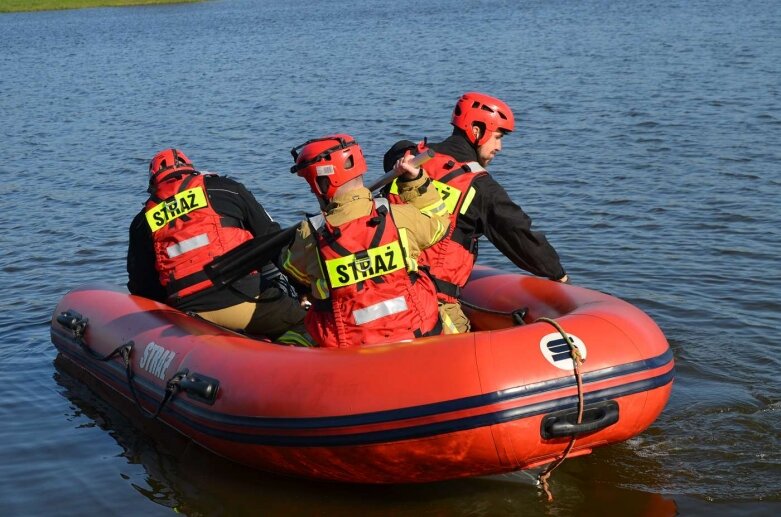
<point>357,259</point>
<point>477,204</point>
<point>189,219</point>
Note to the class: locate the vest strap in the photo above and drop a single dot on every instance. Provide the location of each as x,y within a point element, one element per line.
<point>437,330</point>
<point>177,285</point>
<point>463,239</point>
<point>452,175</point>
<point>321,305</point>
<point>446,287</point>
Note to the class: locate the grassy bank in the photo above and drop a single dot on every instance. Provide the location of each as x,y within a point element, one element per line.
<point>13,6</point>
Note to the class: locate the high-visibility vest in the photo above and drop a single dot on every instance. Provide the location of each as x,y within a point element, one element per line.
<point>450,261</point>
<point>187,234</point>
<point>375,295</point>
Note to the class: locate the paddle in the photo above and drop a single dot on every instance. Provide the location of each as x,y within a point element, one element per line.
<point>253,254</point>
<point>417,161</point>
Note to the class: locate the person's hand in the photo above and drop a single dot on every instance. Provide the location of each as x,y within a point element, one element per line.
<point>303,300</point>
<point>405,169</point>
<point>564,279</point>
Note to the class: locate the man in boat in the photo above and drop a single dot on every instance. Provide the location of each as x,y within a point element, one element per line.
<point>189,219</point>
<point>477,204</point>
<point>358,258</point>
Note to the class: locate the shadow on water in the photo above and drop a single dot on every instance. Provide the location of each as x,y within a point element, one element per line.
<point>184,477</point>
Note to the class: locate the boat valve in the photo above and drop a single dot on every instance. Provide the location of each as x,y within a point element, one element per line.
<point>73,321</point>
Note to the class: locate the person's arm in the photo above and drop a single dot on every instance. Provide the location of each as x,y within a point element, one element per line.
<point>143,278</point>
<point>509,228</point>
<point>397,151</point>
<point>422,219</point>
<point>301,263</point>
<point>232,199</point>
<point>259,222</point>
<point>416,189</point>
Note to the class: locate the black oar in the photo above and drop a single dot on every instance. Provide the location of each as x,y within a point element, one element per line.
<point>253,254</point>
<point>417,161</point>
<point>249,256</point>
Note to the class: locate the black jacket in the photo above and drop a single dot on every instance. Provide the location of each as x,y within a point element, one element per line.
<point>228,198</point>
<point>492,213</point>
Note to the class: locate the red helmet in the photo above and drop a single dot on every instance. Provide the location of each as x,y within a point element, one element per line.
<point>168,161</point>
<point>481,108</point>
<point>336,159</point>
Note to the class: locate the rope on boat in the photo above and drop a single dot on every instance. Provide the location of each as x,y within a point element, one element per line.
<point>171,387</point>
<point>577,361</point>
<point>517,315</point>
<point>125,351</point>
<point>199,387</point>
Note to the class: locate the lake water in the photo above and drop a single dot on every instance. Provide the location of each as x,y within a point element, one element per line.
<point>648,149</point>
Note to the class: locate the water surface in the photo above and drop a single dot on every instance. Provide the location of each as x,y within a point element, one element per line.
<point>648,150</point>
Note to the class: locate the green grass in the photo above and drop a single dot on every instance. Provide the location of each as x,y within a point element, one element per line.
<point>13,6</point>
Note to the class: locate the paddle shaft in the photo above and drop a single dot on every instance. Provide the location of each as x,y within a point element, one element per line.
<point>252,255</point>
<point>417,161</point>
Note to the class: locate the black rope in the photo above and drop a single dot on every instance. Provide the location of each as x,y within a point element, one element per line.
<point>117,351</point>
<point>125,351</point>
<point>517,315</point>
<point>78,326</point>
<point>171,387</point>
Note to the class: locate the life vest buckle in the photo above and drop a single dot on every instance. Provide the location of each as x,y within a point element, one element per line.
<point>362,261</point>
<point>330,236</point>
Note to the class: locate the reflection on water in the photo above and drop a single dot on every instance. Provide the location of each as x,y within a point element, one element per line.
<point>647,149</point>
<point>189,479</point>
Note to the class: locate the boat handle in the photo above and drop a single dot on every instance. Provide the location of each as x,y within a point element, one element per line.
<point>74,322</point>
<point>200,387</point>
<point>596,416</point>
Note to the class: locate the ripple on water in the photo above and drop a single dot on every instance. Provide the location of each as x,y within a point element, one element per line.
<point>67,445</point>
<point>688,439</point>
<point>654,173</point>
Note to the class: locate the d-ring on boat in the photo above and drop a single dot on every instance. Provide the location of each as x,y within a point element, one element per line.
<point>502,398</point>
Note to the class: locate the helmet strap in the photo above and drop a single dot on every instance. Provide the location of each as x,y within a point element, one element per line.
<point>161,177</point>
<point>322,201</point>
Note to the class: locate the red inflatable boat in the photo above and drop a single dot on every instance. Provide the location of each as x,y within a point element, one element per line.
<point>499,399</point>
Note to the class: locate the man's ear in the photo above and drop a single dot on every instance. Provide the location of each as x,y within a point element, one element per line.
<point>476,132</point>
